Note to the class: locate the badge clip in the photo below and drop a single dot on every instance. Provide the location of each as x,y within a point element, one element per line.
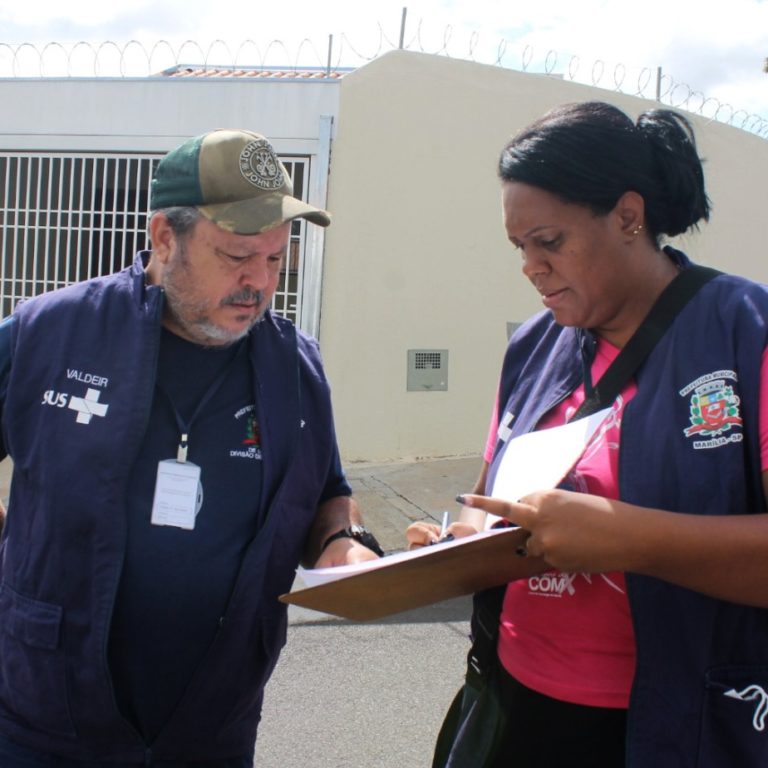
<point>181,453</point>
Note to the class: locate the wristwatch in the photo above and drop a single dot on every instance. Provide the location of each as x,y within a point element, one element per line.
<point>358,533</point>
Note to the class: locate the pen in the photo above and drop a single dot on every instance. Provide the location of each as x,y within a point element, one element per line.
<point>444,525</point>
<point>443,536</point>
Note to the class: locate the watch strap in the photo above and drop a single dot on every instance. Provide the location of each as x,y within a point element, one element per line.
<point>358,533</point>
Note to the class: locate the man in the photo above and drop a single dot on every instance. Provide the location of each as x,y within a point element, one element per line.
<point>174,459</point>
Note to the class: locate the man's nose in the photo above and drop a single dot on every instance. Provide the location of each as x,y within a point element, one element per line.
<point>254,274</point>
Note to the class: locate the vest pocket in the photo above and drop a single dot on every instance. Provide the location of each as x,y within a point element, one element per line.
<point>245,713</point>
<point>32,662</point>
<point>734,728</point>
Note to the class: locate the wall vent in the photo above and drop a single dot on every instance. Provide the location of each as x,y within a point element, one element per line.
<point>427,370</point>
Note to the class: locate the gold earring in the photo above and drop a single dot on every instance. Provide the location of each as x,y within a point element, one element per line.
<point>638,229</point>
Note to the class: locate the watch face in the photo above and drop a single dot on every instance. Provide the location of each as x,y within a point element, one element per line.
<point>357,530</point>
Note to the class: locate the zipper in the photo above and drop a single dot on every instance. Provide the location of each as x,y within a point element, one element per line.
<point>148,393</point>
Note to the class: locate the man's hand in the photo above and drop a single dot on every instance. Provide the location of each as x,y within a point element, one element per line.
<point>344,551</point>
<point>335,515</point>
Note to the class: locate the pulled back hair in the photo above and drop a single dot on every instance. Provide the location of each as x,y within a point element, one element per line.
<point>591,153</point>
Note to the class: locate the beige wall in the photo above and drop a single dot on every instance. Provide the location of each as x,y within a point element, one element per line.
<point>155,114</point>
<point>416,257</point>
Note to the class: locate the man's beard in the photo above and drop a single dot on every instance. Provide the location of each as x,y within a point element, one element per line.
<point>192,315</point>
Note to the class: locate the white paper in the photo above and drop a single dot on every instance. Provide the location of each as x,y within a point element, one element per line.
<point>316,576</point>
<point>539,460</point>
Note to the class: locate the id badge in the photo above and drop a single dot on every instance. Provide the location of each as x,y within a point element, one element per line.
<point>177,494</point>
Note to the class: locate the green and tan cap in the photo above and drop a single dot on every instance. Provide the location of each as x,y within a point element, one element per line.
<point>235,179</point>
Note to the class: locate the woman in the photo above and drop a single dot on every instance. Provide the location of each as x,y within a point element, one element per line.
<point>646,642</point>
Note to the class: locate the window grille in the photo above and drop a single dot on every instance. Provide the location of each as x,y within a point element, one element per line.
<point>66,218</point>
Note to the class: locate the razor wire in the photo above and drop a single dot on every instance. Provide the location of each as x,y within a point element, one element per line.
<point>134,59</point>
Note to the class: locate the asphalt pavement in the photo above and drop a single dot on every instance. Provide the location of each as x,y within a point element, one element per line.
<point>348,694</point>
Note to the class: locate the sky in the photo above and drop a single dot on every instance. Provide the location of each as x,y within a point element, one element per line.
<point>711,53</point>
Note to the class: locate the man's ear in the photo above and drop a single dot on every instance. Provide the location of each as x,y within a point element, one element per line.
<point>162,238</point>
<point>630,211</point>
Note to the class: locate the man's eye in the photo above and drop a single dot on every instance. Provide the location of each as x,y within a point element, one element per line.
<point>231,258</point>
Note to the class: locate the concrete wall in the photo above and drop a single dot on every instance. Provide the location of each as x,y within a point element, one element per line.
<point>417,257</point>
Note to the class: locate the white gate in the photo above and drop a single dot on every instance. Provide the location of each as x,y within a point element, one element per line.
<point>67,217</point>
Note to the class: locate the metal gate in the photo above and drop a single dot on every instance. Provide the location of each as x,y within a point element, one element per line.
<point>66,218</point>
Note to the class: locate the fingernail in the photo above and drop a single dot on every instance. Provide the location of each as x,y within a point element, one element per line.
<point>460,498</point>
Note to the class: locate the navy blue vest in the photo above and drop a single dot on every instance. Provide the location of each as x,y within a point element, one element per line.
<point>77,405</point>
<point>697,657</point>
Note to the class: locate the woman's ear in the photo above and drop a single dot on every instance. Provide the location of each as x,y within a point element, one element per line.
<point>630,211</point>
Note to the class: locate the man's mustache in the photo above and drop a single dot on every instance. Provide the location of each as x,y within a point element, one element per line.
<point>246,296</point>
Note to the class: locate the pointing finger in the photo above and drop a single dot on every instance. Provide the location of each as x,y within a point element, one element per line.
<point>518,513</point>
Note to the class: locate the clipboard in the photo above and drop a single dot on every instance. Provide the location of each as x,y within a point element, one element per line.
<point>432,574</point>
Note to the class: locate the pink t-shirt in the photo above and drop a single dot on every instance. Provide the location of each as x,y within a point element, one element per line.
<point>570,636</point>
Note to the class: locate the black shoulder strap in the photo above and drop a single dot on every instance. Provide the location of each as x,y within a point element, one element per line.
<point>672,299</point>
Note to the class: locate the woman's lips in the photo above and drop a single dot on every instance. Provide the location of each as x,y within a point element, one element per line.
<point>550,298</point>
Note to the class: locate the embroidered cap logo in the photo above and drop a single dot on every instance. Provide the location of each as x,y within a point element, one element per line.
<point>260,166</point>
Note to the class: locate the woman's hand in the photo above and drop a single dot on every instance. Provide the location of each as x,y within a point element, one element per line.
<point>573,532</point>
<point>723,556</point>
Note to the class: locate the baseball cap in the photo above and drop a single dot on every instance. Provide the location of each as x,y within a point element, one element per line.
<point>235,179</point>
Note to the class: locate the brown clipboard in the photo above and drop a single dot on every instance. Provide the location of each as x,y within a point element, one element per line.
<point>440,573</point>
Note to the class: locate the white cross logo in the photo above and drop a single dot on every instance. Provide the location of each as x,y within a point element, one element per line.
<point>88,406</point>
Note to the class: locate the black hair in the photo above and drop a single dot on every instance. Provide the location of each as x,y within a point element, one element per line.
<point>591,153</point>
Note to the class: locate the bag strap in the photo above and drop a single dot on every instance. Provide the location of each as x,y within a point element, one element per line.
<point>488,603</point>
<point>664,310</point>
<point>448,730</point>
<point>486,612</point>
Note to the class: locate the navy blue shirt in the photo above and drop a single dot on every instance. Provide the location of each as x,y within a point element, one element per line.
<point>175,578</point>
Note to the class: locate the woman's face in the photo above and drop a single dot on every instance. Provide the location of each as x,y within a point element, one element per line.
<point>575,259</point>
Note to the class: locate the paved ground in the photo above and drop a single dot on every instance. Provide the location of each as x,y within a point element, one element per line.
<point>351,694</point>
<point>369,695</point>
